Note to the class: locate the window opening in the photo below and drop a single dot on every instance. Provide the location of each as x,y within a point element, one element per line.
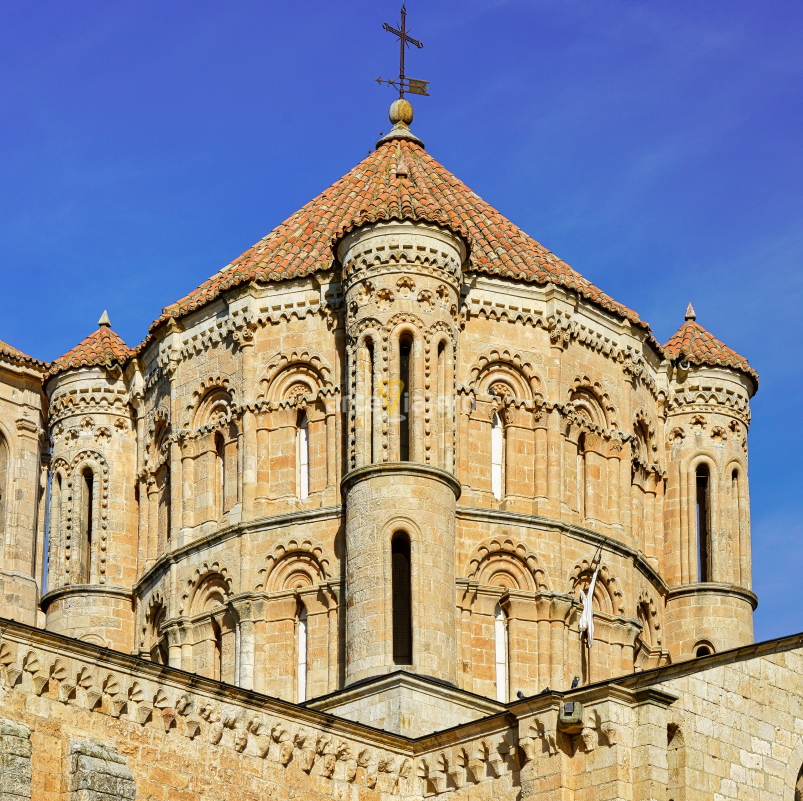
<point>703,512</point>
<point>302,455</point>
<point>405,346</point>
<point>402,601</point>
<point>301,668</point>
<point>87,497</point>
<point>220,476</point>
<point>501,643</point>
<point>217,652</point>
<point>442,405</point>
<point>497,457</point>
<point>370,389</point>
<point>581,476</point>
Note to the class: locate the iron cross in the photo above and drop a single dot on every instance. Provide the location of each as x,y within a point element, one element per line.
<point>402,83</point>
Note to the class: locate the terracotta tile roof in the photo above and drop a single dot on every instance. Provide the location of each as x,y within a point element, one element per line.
<point>14,355</point>
<point>697,346</point>
<point>399,180</point>
<point>101,348</point>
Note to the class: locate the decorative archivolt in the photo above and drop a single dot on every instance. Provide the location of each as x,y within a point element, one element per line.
<point>608,595</point>
<point>211,403</point>
<point>289,375</point>
<point>159,429</point>
<point>208,587</point>
<point>293,564</point>
<point>404,320</point>
<point>504,562</point>
<point>369,326</point>
<point>589,400</point>
<point>645,442</point>
<point>505,373</point>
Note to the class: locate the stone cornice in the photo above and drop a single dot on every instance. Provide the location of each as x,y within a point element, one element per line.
<point>84,589</point>
<point>713,588</point>
<point>400,468</point>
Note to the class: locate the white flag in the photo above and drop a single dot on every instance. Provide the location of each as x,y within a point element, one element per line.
<point>587,616</point>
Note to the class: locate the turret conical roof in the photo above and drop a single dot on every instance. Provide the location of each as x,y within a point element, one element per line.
<point>695,345</point>
<point>102,348</point>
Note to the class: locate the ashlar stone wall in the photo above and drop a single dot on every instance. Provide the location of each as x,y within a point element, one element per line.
<point>82,720</point>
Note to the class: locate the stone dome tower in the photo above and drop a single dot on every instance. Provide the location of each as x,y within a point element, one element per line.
<point>401,283</point>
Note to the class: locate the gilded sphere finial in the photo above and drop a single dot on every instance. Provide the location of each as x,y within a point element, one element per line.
<point>401,111</point>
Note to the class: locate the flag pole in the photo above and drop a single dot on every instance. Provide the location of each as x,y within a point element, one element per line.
<point>589,603</point>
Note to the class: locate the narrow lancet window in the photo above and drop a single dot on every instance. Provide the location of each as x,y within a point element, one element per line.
<point>442,406</point>
<point>217,652</point>
<point>497,457</point>
<point>402,601</point>
<point>501,643</point>
<point>405,412</point>
<point>301,664</point>
<point>582,477</point>
<point>220,476</point>
<point>88,505</point>
<point>703,515</point>
<point>302,455</point>
<point>370,391</point>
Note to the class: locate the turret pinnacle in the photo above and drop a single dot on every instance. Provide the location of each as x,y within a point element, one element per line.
<point>690,313</point>
<point>104,321</point>
<point>401,115</point>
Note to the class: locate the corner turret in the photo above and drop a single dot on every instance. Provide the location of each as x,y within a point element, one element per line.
<point>92,560</point>
<point>710,603</point>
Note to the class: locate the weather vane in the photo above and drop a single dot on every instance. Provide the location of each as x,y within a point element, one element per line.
<point>403,83</point>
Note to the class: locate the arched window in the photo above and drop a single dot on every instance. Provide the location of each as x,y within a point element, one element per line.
<point>217,651</point>
<point>163,509</point>
<point>443,405</point>
<point>404,412</point>
<point>87,510</point>
<point>220,475</point>
<point>302,456</point>
<point>3,483</point>
<point>702,483</point>
<point>501,659</point>
<point>703,649</point>
<point>582,476</point>
<point>370,400</point>
<point>497,457</point>
<point>736,526</point>
<point>402,600</point>
<point>301,650</point>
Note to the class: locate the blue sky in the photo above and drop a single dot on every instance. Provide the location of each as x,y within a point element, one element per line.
<point>655,146</point>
